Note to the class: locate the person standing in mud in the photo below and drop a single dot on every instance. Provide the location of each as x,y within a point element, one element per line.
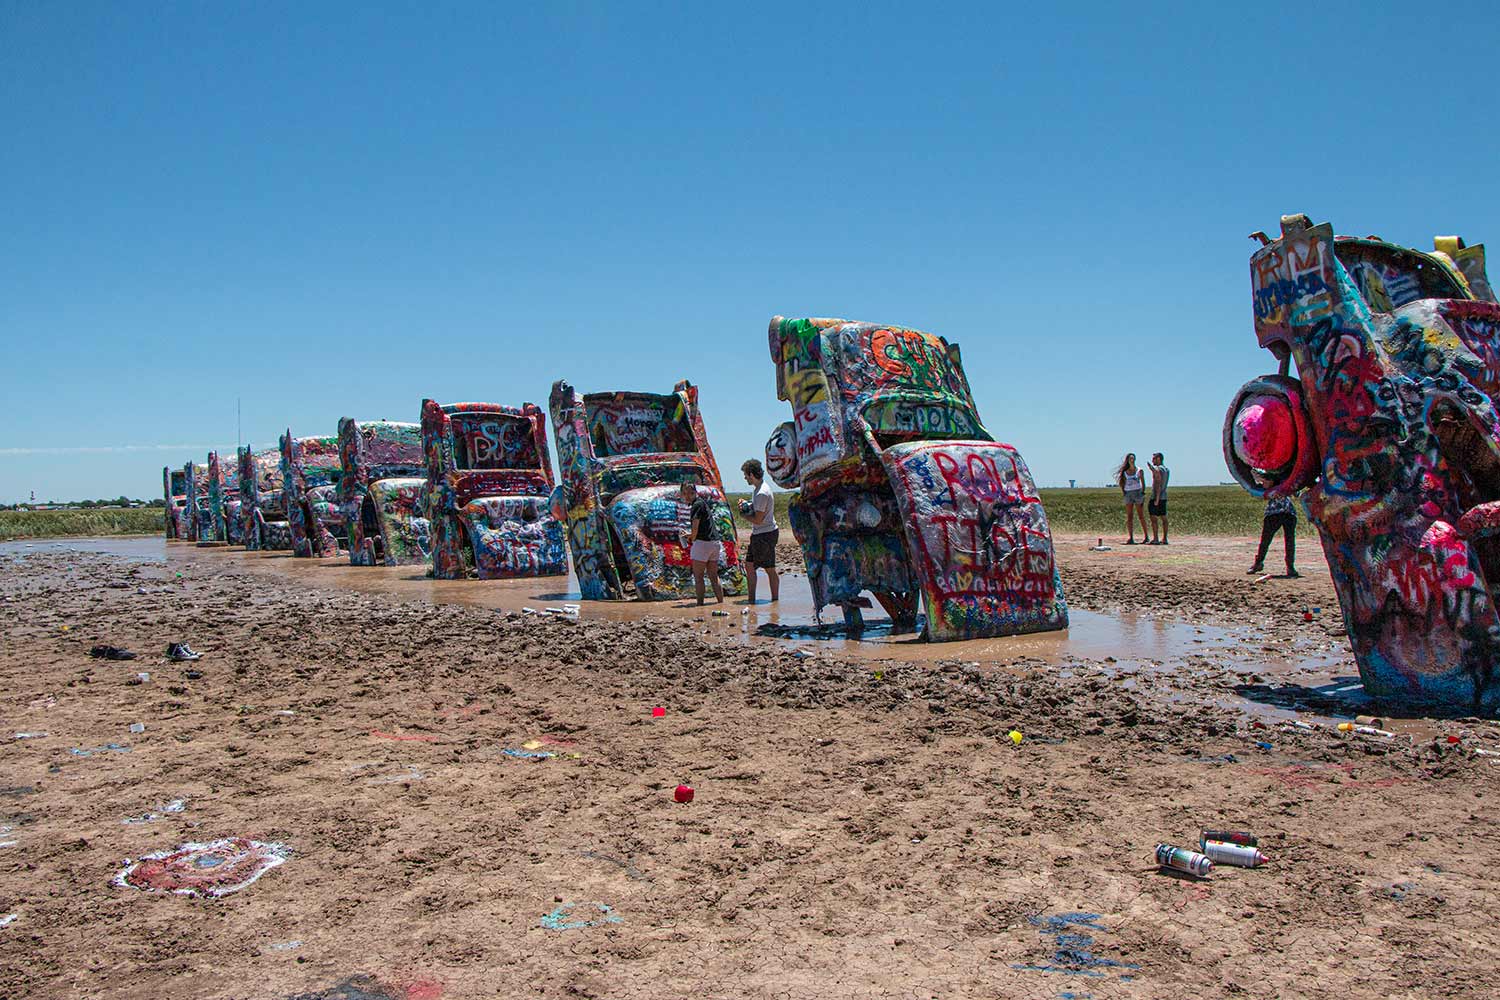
<point>1281,515</point>
<point>703,541</point>
<point>1157,505</point>
<point>1132,482</point>
<point>764,533</point>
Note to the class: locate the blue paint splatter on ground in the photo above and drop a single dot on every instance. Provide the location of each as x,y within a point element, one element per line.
<point>528,754</point>
<point>80,752</point>
<point>1071,954</point>
<point>558,920</point>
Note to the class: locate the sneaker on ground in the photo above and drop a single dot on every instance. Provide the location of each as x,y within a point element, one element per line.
<point>111,653</point>
<point>181,652</point>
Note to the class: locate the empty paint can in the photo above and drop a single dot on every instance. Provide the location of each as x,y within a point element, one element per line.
<point>1242,837</point>
<point>1181,859</point>
<point>684,793</point>
<point>1240,855</point>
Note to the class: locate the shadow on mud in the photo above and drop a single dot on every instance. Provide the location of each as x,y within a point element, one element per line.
<point>880,628</point>
<point>1343,696</point>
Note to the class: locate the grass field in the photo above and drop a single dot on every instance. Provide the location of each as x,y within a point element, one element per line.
<point>61,523</point>
<point>1193,510</point>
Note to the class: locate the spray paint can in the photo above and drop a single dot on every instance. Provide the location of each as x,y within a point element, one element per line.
<point>1238,855</point>
<point>1242,837</point>
<point>1183,860</point>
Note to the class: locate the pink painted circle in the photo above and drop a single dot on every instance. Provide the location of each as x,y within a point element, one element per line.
<point>213,869</point>
<point>1265,436</point>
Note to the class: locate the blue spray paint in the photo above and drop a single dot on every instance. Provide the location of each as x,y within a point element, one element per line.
<point>558,920</point>
<point>1072,955</point>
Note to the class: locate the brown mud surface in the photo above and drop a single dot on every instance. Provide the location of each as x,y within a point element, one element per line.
<point>862,824</point>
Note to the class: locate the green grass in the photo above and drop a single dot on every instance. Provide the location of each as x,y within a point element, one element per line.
<point>1192,510</point>
<point>60,523</point>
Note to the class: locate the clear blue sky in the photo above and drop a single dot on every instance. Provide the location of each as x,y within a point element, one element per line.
<point>332,210</point>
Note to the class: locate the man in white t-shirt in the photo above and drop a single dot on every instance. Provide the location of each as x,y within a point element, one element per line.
<point>761,510</point>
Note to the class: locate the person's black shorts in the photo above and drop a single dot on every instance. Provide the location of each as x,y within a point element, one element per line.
<point>1157,508</point>
<point>763,549</point>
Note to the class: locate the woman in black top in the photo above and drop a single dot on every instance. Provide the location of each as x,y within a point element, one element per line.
<point>703,538</point>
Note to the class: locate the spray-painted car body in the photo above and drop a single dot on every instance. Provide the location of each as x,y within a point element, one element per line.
<point>382,492</point>
<point>902,490</point>
<point>223,503</point>
<point>197,515</point>
<point>1390,428</point>
<point>263,523</point>
<point>310,473</point>
<point>622,457</point>
<point>489,476</point>
<point>174,492</point>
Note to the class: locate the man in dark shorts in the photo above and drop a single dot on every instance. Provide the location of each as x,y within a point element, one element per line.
<point>1157,505</point>
<point>761,510</point>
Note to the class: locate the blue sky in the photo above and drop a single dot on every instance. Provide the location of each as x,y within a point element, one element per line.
<point>329,210</point>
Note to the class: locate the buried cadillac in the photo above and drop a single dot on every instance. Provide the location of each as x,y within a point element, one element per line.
<point>488,479</point>
<point>197,514</point>
<point>223,502</point>
<point>310,473</point>
<point>902,491</point>
<point>623,457</point>
<point>381,490</point>
<point>263,522</point>
<point>1389,426</point>
<point>174,492</point>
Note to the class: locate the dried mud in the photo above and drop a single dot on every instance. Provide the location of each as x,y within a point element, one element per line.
<point>860,827</point>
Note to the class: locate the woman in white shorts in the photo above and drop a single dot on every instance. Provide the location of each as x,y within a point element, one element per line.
<point>706,546</point>
<point>1132,482</point>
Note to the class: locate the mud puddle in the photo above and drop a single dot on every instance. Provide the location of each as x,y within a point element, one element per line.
<point>1127,638</point>
<point>136,548</point>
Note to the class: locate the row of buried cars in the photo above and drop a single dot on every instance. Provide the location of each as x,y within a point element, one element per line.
<point>1388,433</point>
<point>903,497</point>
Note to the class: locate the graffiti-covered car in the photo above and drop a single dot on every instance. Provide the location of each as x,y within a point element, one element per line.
<point>310,473</point>
<point>622,458</point>
<point>197,514</point>
<point>263,523</point>
<point>223,503</point>
<point>1389,426</point>
<point>902,490</point>
<point>489,476</point>
<point>382,492</point>
<point>174,492</point>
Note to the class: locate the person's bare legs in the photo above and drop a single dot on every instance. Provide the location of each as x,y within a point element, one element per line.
<point>750,579</point>
<point>774,579</point>
<point>1130,520</point>
<point>712,569</point>
<point>1155,531</point>
<point>1140,513</point>
<point>698,580</point>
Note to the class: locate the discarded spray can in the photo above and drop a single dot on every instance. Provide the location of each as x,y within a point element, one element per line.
<point>1181,859</point>
<point>1239,855</point>
<point>683,793</point>
<point>1242,837</point>
<point>1349,727</point>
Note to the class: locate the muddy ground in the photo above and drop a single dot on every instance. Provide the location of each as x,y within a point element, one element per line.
<point>862,825</point>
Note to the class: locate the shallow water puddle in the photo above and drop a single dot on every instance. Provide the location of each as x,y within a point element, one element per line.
<point>136,548</point>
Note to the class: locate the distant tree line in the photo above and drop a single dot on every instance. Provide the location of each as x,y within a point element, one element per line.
<point>85,504</point>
